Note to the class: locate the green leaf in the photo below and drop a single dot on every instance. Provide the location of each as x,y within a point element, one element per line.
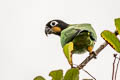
<point>67,51</point>
<point>117,24</point>
<point>111,39</point>
<point>56,75</point>
<point>39,78</point>
<point>72,74</point>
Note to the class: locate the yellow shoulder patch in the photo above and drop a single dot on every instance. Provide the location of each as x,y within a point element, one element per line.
<point>68,48</point>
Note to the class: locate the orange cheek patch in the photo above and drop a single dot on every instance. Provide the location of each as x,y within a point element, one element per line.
<point>56,29</point>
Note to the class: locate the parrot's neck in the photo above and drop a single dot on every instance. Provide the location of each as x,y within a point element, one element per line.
<point>58,33</point>
<point>63,26</point>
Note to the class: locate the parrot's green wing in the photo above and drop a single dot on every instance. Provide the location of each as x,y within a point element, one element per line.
<point>68,34</point>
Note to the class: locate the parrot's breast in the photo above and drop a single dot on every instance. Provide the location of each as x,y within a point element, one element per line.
<point>81,43</point>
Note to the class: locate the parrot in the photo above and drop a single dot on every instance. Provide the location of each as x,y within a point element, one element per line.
<point>78,38</point>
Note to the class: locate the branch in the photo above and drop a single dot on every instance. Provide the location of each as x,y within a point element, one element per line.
<point>90,57</point>
<point>115,55</point>
<point>117,68</point>
<point>89,74</point>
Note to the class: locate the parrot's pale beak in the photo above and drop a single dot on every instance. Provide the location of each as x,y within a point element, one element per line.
<point>48,30</point>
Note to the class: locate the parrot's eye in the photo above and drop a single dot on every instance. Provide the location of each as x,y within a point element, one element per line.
<point>53,23</point>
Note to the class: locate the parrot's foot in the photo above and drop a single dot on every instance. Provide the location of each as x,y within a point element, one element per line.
<point>94,54</point>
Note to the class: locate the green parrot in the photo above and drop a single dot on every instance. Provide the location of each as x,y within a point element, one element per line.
<point>77,38</point>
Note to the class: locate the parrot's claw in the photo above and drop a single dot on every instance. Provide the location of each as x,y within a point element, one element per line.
<point>94,54</point>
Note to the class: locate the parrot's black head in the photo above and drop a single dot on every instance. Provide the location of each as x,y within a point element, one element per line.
<point>55,27</point>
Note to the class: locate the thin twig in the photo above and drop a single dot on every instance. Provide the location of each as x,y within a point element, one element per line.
<point>114,66</point>
<point>88,74</point>
<point>117,57</point>
<point>117,68</point>
<point>90,57</point>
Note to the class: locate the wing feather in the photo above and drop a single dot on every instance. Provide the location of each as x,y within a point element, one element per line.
<point>68,34</point>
